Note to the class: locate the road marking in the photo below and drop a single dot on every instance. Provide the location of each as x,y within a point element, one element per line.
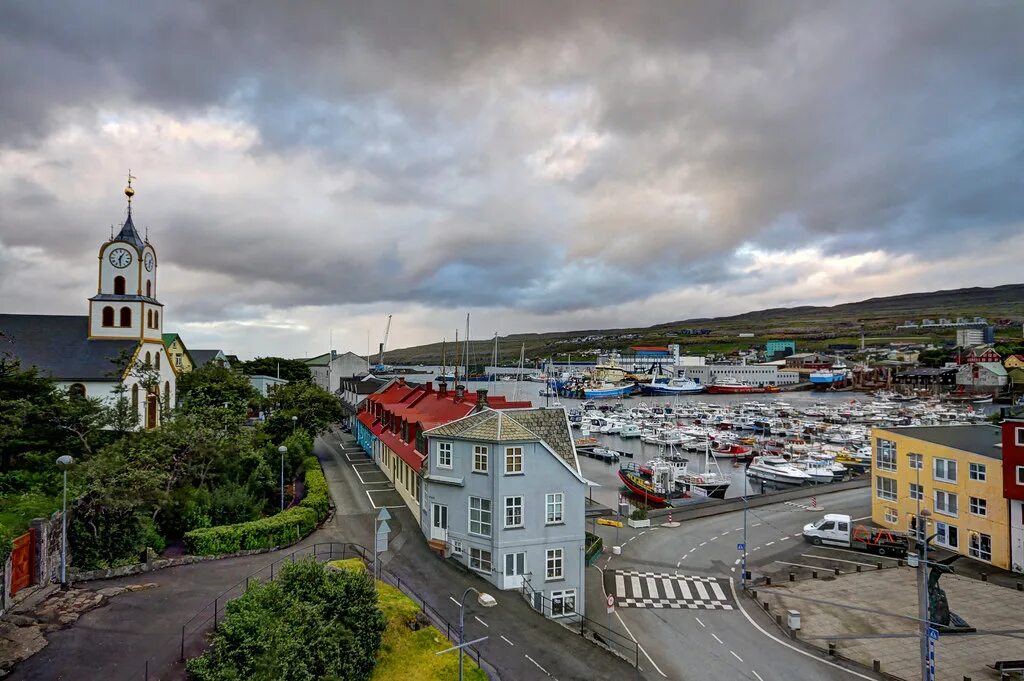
<point>809,567</point>
<point>867,517</point>
<point>756,548</point>
<point>737,561</point>
<point>736,656</point>
<point>620,584</point>
<point>726,532</point>
<point>452,599</point>
<point>783,538</point>
<point>507,641</point>
<point>769,543</point>
<point>755,524</point>
<point>738,529</point>
<point>537,665</point>
<point>713,539</point>
<point>623,623</point>
<point>666,585</point>
<point>732,569</point>
<point>481,621</point>
<point>798,534</point>
<point>703,543</point>
<point>699,622</point>
<point>837,560</point>
<point>717,639</point>
<point>371,498</point>
<point>679,563</point>
<point>758,676</point>
<point>860,553</point>
<point>719,594</point>
<point>757,626</point>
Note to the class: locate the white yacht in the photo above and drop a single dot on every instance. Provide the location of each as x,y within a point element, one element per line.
<point>776,469</point>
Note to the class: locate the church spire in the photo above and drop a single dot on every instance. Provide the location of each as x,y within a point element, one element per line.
<point>128,232</point>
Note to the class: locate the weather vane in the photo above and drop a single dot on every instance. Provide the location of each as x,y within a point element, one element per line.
<point>128,191</point>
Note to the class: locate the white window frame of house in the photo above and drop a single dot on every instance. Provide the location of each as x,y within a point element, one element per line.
<point>513,512</point>
<point>942,535</point>
<point>513,460</point>
<point>457,547</point>
<point>444,455</point>
<point>562,598</point>
<point>517,561</point>
<point>974,549</point>
<point>889,494</point>
<point>916,461</point>
<point>891,515</point>
<point>480,511</point>
<point>885,455</point>
<point>480,463</point>
<point>947,503</point>
<point>978,506</point>
<point>554,500</point>
<point>554,564</point>
<point>977,471</point>
<point>1019,436</point>
<point>916,491</point>
<point>478,562</point>
<point>945,465</point>
<point>1020,475</point>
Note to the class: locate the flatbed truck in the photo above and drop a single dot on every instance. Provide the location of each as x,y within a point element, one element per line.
<point>837,529</point>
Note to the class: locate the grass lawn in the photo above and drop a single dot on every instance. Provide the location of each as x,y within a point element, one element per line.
<point>408,654</point>
<point>17,510</point>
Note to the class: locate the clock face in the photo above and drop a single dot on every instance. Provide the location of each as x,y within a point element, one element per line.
<point>120,258</point>
<point>149,262</point>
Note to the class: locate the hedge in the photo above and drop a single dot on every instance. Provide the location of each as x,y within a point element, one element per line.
<point>267,533</point>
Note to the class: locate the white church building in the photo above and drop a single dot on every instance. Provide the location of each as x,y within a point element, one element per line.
<point>125,321</point>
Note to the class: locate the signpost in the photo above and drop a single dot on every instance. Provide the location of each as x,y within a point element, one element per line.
<point>933,636</point>
<point>380,544</point>
<point>611,604</point>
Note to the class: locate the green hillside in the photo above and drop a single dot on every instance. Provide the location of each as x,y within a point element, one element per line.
<point>812,327</point>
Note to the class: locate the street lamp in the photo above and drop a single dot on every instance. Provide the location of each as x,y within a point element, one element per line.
<point>63,463</point>
<point>922,584</point>
<point>485,600</point>
<point>295,420</point>
<point>282,450</point>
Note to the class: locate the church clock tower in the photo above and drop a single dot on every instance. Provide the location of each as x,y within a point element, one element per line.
<point>125,305</point>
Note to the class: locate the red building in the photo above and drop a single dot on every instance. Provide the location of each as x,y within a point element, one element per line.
<point>979,354</point>
<point>392,421</point>
<point>1013,487</point>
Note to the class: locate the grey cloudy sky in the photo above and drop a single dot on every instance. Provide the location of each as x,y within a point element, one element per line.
<point>545,165</point>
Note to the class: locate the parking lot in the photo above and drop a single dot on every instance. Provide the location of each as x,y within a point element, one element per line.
<point>373,480</point>
<point>803,560</point>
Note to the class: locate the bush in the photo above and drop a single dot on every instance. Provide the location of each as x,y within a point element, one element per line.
<point>309,624</point>
<point>639,513</point>
<point>267,533</point>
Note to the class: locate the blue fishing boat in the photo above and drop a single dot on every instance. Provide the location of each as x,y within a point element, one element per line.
<point>607,390</point>
<point>677,386</point>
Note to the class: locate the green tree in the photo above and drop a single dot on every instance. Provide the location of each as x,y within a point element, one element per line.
<point>214,387</point>
<point>26,399</point>
<point>290,369</point>
<point>315,408</point>
<point>310,624</point>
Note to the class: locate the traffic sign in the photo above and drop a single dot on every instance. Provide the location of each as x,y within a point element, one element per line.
<point>611,604</point>
<point>741,546</point>
<point>933,633</point>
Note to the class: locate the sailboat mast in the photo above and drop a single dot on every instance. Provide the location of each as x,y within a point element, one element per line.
<point>444,360</point>
<point>494,361</point>
<point>456,360</point>
<point>465,355</point>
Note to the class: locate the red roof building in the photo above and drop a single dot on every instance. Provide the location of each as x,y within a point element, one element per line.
<point>399,414</point>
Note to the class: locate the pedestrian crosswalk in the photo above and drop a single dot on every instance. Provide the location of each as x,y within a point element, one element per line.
<point>636,589</point>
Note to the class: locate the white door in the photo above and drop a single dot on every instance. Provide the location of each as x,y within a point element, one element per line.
<point>439,522</point>
<point>515,568</point>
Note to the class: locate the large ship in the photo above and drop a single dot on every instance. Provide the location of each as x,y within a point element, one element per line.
<point>837,373</point>
<point>729,385</point>
<point>677,386</point>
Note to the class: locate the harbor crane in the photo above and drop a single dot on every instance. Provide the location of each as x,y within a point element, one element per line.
<point>383,346</point>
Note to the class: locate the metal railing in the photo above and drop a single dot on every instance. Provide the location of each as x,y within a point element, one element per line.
<point>192,639</point>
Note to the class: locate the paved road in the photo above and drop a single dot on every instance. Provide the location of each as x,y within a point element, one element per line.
<point>112,643</point>
<point>693,634</point>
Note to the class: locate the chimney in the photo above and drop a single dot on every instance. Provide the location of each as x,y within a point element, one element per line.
<point>442,390</point>
<point>481,400</point>
<point>401,380</point>
<point>428,387</point>
<point>460,392</point>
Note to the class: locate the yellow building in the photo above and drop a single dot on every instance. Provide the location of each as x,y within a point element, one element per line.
<point>180,358</point>
<point>956,472</point>
<point>1014,362</point>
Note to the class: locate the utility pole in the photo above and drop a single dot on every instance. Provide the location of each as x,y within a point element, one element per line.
<point>922,590</point>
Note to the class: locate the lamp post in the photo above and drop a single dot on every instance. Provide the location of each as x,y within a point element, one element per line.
<point>484,599</point>
<point>282,450</point>
<point>743,562</point>
<point>295,420</point>
<point>922,585</point>
<point>64,462</point>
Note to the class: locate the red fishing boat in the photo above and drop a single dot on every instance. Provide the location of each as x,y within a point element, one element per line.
<point>728,385</point>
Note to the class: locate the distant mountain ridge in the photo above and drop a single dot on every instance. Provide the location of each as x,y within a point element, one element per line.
<point>878,316</point>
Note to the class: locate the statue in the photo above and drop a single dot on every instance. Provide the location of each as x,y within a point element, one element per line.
<point>938,606</point>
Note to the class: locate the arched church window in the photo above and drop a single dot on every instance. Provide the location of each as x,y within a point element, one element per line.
<point>156,319</point>
<point>149,288</point>
<point>149,319</point>
<point>108,316</point>
<point>135,398</point>
<point>167,394</point>
<point>157,360</point>
<point>76,390</point>
<point>119,286</point>
<point>149,359</point>
<point>126,316</point>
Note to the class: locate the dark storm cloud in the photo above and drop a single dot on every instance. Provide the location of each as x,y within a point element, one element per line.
<point>536,155</point>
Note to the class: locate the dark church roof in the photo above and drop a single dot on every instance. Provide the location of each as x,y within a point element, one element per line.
<point>129,234</point>
<point>59,345</point>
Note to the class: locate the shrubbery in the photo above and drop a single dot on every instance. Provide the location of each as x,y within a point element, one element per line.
<point>267,533</point>
<point>311,623</point>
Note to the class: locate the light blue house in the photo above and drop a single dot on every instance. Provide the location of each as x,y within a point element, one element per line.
<point>503,494</point>
<point>782,348</point>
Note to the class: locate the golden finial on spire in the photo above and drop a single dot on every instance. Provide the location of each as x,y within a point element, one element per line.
<point>128,191</point>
